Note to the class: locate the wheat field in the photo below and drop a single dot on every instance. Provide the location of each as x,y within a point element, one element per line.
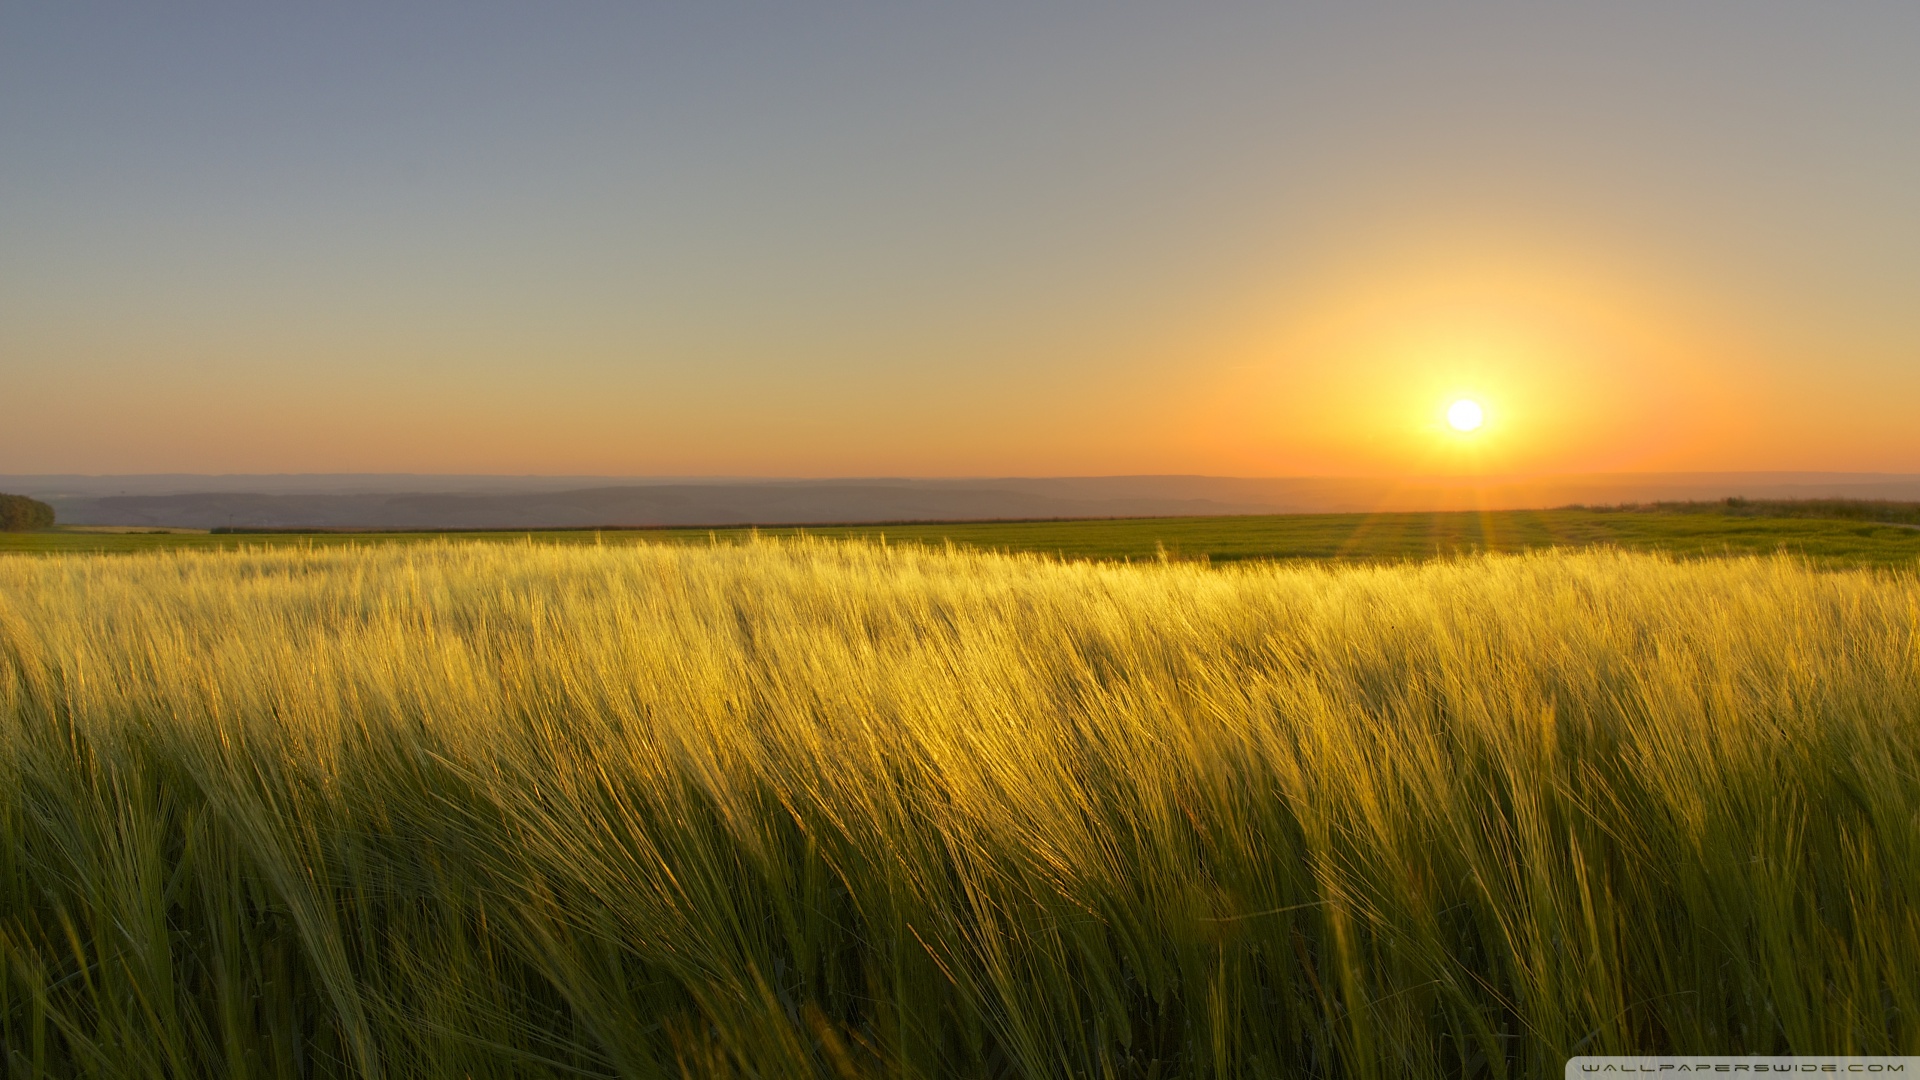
<point>801,808</point>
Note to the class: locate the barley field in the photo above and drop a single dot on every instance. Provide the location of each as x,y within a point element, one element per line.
<point>1833,534</point>
<point>808,808</point>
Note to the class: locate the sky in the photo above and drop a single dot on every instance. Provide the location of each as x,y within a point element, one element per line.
<point>863,239</point>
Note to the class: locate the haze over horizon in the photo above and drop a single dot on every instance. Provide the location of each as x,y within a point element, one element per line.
<point>507,502</point>
<point>1066,240</point>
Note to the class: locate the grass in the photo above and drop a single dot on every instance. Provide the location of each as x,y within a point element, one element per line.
<point>1906,513</point>
<point>802,808</point>
<point>1832,532</point>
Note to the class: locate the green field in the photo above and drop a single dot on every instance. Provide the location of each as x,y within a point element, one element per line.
<point>1708,529</point>
<point>800,808</point>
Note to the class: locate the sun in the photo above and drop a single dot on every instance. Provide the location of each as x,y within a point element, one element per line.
<point>1466,415</point>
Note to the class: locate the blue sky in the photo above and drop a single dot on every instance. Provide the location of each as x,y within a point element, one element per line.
<point>958,239</point>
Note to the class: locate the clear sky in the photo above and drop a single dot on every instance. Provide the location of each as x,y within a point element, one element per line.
<point>972,238</point>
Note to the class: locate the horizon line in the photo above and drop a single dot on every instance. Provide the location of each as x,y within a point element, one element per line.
<point>765,478</point>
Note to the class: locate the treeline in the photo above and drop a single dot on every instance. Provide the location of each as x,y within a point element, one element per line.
<point>1887,510</point>
<point>21,514</point>
<point>1904,513</point>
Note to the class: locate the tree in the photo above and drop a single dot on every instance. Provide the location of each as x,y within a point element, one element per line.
<point>21,514</point>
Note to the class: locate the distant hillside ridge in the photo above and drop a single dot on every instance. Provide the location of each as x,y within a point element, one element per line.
<point>1885,511</point>
<point>347,502</point>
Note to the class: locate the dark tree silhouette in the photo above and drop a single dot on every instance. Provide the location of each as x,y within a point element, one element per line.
<point>21,514</point>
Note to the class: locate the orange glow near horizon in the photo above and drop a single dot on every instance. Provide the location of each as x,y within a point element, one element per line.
<point>1577,368</point>
<point>1571,373</point>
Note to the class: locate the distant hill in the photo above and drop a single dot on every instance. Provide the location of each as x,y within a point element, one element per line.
<point>451,502</point>
<point>679,504</point>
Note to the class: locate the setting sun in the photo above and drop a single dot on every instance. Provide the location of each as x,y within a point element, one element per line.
<point>1466,415</point>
